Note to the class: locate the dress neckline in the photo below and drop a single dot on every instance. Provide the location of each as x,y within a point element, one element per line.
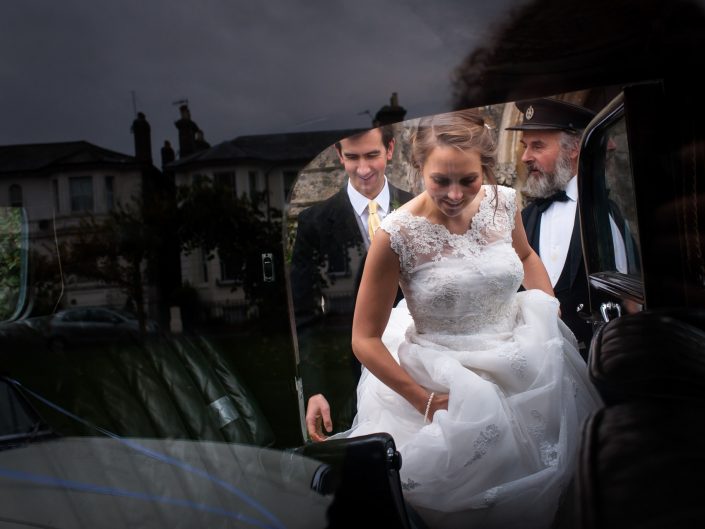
<point>472,224</point>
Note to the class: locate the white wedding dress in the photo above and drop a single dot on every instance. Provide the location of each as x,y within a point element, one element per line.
<point>505,449</point>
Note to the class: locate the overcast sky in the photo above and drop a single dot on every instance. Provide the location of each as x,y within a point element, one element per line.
<point>70,67</point>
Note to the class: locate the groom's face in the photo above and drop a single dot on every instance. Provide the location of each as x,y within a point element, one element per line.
<point>365,158</point>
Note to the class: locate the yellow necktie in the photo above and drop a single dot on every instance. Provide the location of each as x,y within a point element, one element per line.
<point>372,219</point>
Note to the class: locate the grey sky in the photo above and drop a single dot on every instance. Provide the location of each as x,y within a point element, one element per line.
<point>69,68</point>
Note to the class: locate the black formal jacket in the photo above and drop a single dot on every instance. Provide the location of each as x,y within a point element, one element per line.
<point>326,233</point>
<point>572,286</point>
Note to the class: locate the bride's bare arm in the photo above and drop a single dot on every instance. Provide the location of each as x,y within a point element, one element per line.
<point>535,275</point>
<point>375,298</point>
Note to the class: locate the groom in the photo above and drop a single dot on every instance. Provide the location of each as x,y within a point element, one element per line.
<point>329,235</point>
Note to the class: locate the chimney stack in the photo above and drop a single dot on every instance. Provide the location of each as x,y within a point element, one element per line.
<point>168,154</point>
<point>391,113</point>
<point>143,138</point>
<point>187,132</point>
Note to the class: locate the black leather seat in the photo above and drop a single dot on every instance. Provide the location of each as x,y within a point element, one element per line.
<point>657,354</point>
<point>641,459</point>
<point>641,466</point>
<point>180,387</point>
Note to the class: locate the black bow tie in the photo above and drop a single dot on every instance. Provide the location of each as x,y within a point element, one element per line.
<point>543,203</point>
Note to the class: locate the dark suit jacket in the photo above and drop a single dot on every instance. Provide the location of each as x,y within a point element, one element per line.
<point>572,286</point>
<point>327,234</point>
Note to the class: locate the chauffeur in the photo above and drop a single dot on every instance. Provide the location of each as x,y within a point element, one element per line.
<point>551,133</point>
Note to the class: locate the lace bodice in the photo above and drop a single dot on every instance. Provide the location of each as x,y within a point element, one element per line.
<point>459,284</point>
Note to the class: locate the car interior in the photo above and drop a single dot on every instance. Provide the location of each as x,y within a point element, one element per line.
<point>236,380</point>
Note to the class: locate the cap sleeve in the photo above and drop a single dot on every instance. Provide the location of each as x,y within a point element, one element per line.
<point>507,202</point>
<point>396,225</point>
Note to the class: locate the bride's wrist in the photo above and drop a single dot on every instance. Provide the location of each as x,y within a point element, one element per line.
<point>419,399</point>
<point>427,416</point>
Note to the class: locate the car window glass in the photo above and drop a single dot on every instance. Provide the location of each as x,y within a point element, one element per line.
<point>616,205</point>
<point>326,250</point>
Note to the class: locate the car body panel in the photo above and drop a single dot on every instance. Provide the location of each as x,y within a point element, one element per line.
<point>99,482</point>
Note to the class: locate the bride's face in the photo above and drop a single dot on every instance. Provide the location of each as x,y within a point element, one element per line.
<point>452,178</point>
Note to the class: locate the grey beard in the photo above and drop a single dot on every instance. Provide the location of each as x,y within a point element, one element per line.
<point>547,184</point>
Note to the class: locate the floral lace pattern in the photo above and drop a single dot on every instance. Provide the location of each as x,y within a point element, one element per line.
<point>409,484</point>
<point>417,240</point>
<point>456,284</point>
<point>517,361</point>
<point>487,437</point>
<point>548,451</point>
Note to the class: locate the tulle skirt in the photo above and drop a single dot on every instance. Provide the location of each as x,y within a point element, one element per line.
<point>505,449</point>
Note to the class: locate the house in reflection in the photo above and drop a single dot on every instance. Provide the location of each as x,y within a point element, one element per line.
<point>59,185</point>
<point>264,168</point>
<point>62,185</point>
<point>270,165</point>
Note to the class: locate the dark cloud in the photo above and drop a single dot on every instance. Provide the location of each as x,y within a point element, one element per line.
<point>70,68</point>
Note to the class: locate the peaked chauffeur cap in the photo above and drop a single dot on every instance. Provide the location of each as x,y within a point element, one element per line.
<point>552,114</point>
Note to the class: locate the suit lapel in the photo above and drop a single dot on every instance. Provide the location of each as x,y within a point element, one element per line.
<point>575,252</point>
<point>532,225</point>
<point>395,197</point>
<point>341,218</point>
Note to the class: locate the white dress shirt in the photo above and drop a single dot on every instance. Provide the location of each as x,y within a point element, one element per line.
<point>556,230</point>
<point>359,203</point>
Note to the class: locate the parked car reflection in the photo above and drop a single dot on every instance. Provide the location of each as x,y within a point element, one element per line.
<point>91,325</point>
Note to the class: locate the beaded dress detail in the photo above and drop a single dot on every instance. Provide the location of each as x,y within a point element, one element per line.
<point>518,389</point>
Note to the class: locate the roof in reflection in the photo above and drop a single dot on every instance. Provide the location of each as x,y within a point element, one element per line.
<point>275,147</point>
<point>38,156</point>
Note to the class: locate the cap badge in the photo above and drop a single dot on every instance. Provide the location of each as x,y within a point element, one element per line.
<point>529,112</point>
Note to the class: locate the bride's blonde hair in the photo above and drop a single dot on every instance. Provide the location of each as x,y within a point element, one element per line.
<point>465,130</point>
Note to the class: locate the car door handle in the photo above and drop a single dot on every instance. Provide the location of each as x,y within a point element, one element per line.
<point>610,310</point>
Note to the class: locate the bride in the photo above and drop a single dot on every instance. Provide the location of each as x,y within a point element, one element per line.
<point>481,387</point>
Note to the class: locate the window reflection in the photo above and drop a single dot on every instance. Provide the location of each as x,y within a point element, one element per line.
<point>618,205</point>
<point>327,243</point>
<point>81,192</point>
<point>109,193</point>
